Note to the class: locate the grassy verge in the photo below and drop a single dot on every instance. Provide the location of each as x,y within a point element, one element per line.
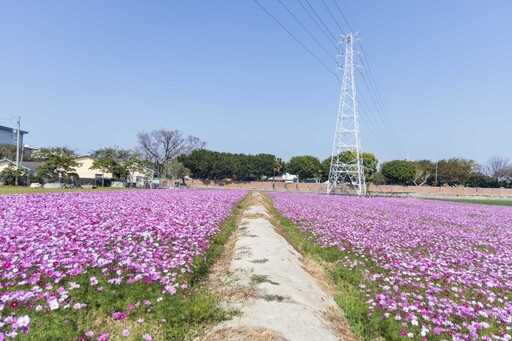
<point>24,190</point>
<point>476,201</point>
<point>146,310</point>
<point>345,282</point>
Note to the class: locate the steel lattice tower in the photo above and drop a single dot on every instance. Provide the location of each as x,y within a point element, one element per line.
<point>346,173</point>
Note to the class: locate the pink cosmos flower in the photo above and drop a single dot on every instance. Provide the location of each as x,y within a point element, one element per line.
<point>103,337</point>
<point>118,315</point>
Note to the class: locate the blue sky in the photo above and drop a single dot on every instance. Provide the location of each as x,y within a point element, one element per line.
<point>88,74</point>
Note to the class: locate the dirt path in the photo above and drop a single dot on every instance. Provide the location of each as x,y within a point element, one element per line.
<point>264,278</point>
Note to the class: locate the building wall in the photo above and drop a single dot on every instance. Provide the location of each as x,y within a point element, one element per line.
<point>7,137</point>
<point>84,171</point>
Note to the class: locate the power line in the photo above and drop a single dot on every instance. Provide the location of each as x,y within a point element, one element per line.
<point>379,103</point>
<point>375,128</point>
<point>310,34</point>
<point>332,16</point>
<point>388,143</point>
<point>381,115</point>
<point>318,25</point>
<point>373,131</point>
<point>343,16</point>
<point>297,40</point>
<point>323,23</point>
<point>375,88</point>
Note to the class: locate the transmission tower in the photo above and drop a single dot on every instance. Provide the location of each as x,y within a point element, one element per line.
<point>346,173</point>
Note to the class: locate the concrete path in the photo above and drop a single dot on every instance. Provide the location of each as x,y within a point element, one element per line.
<point>277,298</point>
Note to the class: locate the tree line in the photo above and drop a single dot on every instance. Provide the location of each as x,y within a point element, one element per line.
<point>497,172</point>
<point>172,154</point>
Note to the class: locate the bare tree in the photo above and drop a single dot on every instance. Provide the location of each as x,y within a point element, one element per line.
<point>160,146</point>
<point>424,170</point>
<point>497,166</point>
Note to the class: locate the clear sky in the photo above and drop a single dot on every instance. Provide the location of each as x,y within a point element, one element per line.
<point>90,74</point>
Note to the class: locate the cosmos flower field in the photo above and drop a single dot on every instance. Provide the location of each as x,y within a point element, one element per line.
<point>436,270</point>
<point>60,250</point>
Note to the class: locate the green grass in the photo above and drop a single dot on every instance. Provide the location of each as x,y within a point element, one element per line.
<point>344,280</point>
<point>182,316</point>
<point>477,201</point>
<point>24,190</point>
<point>257,279</point>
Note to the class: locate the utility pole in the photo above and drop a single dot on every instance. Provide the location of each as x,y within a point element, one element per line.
<point>347,142</point>
<point>18,123</point>
<point>436,172</point>
<point>18,149</point>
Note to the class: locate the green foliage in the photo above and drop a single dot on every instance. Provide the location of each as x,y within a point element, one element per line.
<point>369,163</point>
<point>424,172</point>
<point>9,175</point>
<point>44,154</point>
<point>7,151</point>
<point>279,165</point>
<point>305,166</point>
<point>478,179</point>
<point>455,171</point>
<point>119,162</point>
<point>207,164</point>
<point>478,201</point>
<point>175,170</point>
<point>326,168</point>
<point>399,172</point>
<point>58,162</point>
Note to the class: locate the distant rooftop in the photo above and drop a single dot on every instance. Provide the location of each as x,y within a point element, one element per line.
<point>12,129</point>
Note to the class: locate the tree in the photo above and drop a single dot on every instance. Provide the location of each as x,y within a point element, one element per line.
<point>479,179</point>
<point>7,151</point>
<point>10,175</point>
<point>119,162</point>
<point>58,162</point>
<point>160,146</point>
<point>43,154</point>
<point>455,171</point>
<point>278,166</point>
<point>424,171</point>
<point>497,166</point>
<point>305,166</point>
<point>399,171</point>
<point>369,165</point>
<point>263,165</point>
<point>176,170</point>
<point>199,162</point>
<point>326,168</point>
<point>207,164</point>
